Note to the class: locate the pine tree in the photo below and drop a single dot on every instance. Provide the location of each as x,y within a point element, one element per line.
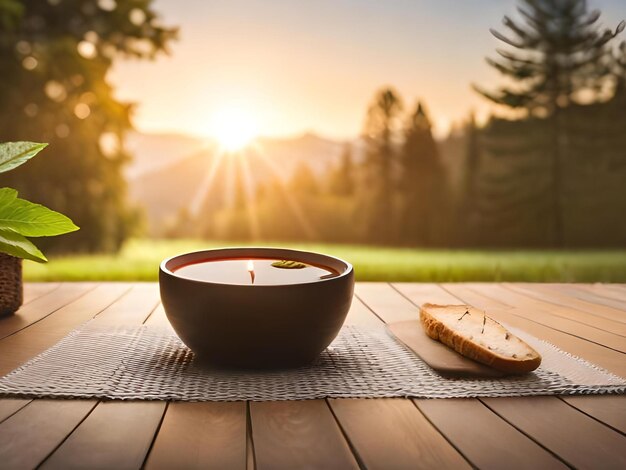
<point>238,222</point>
<point>54,59</point>
<point>379,187</point>
<point>467,200</point>
<point>561,56</point>
<point>303,182</point>
<point>342,178</point>
<point>472,157</point>
<point>510,202</point>
<point>422,183</point>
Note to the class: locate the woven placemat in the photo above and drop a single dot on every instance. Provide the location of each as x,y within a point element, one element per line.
<point>149,363</point>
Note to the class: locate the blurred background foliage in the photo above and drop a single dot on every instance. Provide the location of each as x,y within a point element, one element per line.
<point>54,58</point>
<point>552,173</point>
<point>548,172</point>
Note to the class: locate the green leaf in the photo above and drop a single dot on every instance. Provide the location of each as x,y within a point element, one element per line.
<point>29,219</point>
<point>287,264</point>
<point>14,244</point>
<point>13,154</point>
<point>7,195</point>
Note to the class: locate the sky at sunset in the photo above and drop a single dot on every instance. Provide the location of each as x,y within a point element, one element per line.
<point>288,66</point>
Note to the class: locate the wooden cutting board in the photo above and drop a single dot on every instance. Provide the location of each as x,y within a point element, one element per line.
<point>437,355</point>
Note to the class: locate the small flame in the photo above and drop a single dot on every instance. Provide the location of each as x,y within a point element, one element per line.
<point>250,269</point>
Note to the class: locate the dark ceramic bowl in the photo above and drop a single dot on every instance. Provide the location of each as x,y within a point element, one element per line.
<point>256,326</point>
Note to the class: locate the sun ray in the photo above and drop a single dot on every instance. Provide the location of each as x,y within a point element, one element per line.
<point>253,219</point>
<point>230,184</point>
<point>205,185</point>
<point>294,206</point>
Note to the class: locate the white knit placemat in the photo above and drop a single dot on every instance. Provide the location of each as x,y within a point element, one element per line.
<point>149,363</point>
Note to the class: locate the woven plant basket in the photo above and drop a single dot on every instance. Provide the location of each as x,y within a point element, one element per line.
<point>11,291</point>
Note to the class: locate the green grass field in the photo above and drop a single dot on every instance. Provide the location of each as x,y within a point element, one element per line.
<point>139,261</point>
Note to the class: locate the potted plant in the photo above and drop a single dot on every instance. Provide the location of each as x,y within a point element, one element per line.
<point>20,219</point>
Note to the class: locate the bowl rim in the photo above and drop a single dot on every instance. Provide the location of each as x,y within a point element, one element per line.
<point>349,269</point>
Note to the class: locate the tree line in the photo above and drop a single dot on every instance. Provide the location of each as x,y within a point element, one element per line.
<point>551,174</point>
<point>547,171</point>
<point>54,60</point>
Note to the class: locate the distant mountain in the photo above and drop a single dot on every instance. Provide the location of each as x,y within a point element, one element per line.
<point>152,151</point>
<point>165,190</point>
<point>315,151</point>
<point>168,171</point>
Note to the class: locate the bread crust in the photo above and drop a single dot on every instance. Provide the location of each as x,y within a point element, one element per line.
<point>465,346</point>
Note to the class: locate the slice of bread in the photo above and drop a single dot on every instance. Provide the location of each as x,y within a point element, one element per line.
<point>470,332</point>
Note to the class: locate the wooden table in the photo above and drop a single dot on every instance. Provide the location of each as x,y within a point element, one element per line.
<point>538,432</point>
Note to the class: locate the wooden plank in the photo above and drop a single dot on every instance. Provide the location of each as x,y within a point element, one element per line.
<point>34,290</point>
<point>425,293</point>
<point>57,325</point>
<point>10,406</point>
<point>201,453</point>
<point>218,445</point>
<point>467,293</point>
<point>158,318</point>
<point>582,296</point>
<point>549,315</point>
<point>393,433</point>
<point>250,465</point>
<point>27,343</point>
<point>607,358</point>
<point>382,299</point>
<point>42,307</point>
<point>27,437</point>
<point>207,435</point>
<point>554,317</point>
<point>609,409</point>
<point>133,308</point>
<point>576,438</point>
<point>588,294</point>
<point>483,437</point>
<point>115,435</point>
<point>591,314</point>
<point>360,315</point>
<point>484,449</point>
<point>613,291</point>
<point>131,454</point>
<point>298,434</point>
<point>602,408</point>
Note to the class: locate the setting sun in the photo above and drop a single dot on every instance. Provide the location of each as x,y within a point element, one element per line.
<point>234,128</point>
